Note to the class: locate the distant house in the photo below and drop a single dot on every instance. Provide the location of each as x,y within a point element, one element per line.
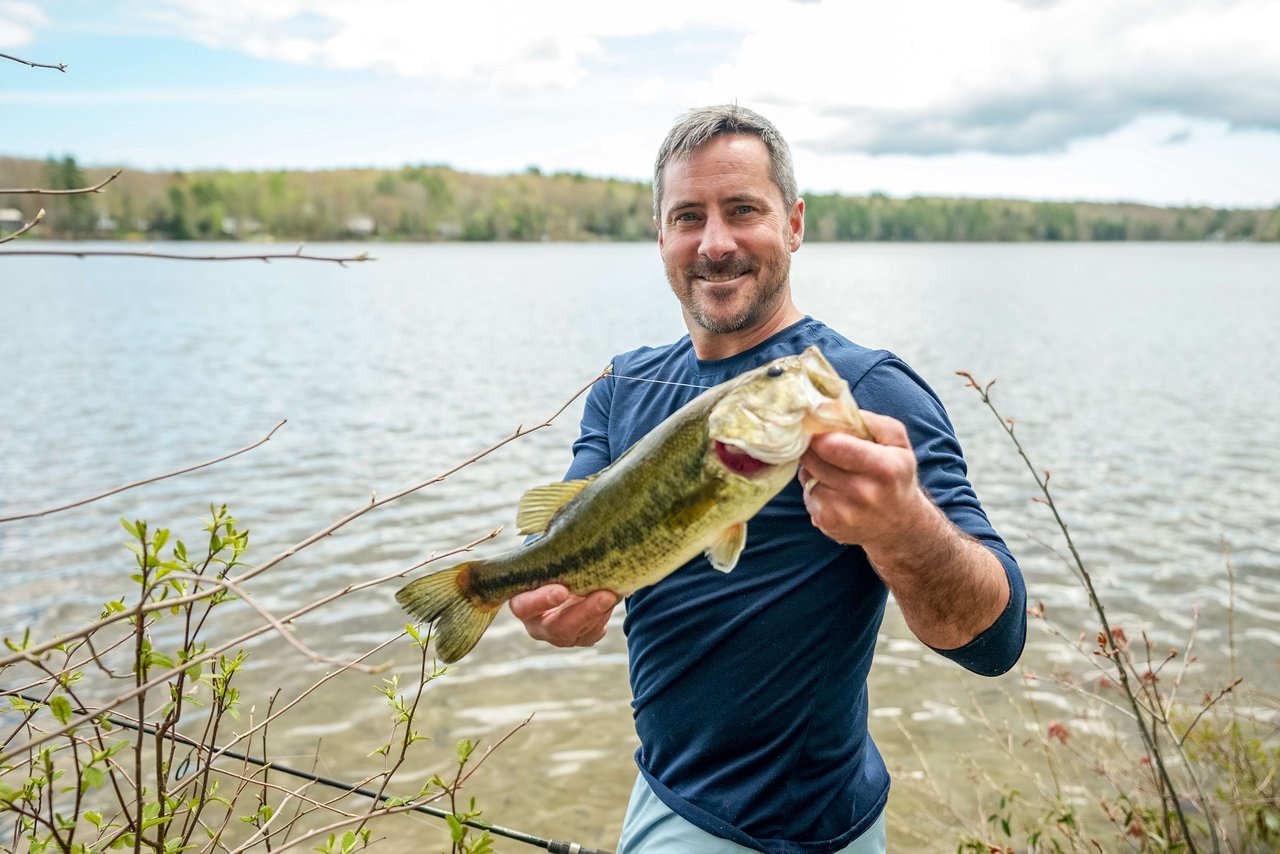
<point>361,225</point>
<point>11,219</point>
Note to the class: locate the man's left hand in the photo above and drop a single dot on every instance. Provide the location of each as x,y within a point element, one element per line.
<point>861,492</point>
<point>866,493</point>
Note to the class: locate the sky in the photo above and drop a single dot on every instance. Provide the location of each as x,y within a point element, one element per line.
<point>1165,102</point>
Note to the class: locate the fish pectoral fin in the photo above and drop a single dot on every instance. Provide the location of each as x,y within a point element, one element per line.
<point>539,505</point>
<point>725,549</point>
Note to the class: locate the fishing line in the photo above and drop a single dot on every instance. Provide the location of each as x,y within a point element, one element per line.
<point>554,846</point>
<point>661,382</point>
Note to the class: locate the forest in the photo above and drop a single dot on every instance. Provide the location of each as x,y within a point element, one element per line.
<point>437,203</point>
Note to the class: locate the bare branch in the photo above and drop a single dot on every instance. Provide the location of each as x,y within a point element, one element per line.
<point>126,253</point>
<point>131,613</point>
<point>1107,639</point>
<point>39,216</point>
<point>247,735</point>
<point>493,747</point>
<point>31,653</point>
<point>281,628</point>
<point>109,492</point>
<point>75,191</point>
<point>61,66</point>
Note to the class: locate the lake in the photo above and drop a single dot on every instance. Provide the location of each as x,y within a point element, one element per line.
<point>1144,376</point>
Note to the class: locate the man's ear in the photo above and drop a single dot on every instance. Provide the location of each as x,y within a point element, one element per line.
<point>796,223</point>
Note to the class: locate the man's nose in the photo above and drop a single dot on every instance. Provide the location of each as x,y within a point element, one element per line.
<point>717,238</point>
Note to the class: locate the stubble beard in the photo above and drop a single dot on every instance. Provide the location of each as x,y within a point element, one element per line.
<point>770,282</point>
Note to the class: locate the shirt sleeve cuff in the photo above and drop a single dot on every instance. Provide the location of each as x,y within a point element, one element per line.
<point>998,647</point>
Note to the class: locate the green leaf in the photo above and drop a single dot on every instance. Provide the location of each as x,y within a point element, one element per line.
<point>19,646</point>
<point>61,708</point>
<point>93,776</point>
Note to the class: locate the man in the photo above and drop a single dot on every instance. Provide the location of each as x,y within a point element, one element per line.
<point>749,689</point>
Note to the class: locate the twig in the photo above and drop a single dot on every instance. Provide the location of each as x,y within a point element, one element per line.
<point>213,653</point>
<point>1107,639</point>
<point>34,222</point>
<point>420,806</point>
<point>1209,705</point>
<point>180,785</point>
<point>299,546</point>
<point>61,66</point>
<point>210,654</point>
<point>110,492</point>
<point>132,613</point>
<point>491,748</point>
<point>74,191</point>
<point>281,628</point>
<point>123,253</point>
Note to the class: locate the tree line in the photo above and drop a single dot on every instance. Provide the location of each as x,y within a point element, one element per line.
<point>435,202</point>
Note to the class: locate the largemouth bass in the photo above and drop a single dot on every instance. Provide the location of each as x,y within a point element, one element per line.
<point>688,487</point>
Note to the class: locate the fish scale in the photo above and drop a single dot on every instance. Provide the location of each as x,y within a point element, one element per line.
<point>686,488</point>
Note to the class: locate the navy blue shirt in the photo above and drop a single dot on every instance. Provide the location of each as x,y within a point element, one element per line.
<point>750,689</point>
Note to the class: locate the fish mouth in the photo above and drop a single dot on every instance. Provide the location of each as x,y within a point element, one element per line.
<point>782,449</point>
<point>771,425</point>
<point>737,460</point>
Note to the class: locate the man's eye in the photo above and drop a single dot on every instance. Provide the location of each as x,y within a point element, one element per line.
<point>685,217</point>
<point>744,209</point>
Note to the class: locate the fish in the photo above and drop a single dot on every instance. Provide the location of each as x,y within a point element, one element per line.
<point>688,487</point>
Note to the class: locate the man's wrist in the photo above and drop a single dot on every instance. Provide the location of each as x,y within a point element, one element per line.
<point>917,536</point>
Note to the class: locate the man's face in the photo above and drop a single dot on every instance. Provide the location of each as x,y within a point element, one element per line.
<point>726,236</point>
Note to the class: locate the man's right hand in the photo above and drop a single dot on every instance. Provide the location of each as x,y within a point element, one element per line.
<point>561,618</point>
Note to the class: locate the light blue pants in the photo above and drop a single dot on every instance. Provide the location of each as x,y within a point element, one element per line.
<point>650,827</point>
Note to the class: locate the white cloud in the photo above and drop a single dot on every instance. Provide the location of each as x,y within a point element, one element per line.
<point>522,46</point>
<point>924,77</point>
<point>1207,165</point>
<point>1161,100</point>
<point>18,22</point>
<point>935,77</point>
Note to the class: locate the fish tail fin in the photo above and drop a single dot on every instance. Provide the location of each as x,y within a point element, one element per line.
<point>442,598</point>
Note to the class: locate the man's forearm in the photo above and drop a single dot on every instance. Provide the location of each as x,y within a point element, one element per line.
<point>949,586</point>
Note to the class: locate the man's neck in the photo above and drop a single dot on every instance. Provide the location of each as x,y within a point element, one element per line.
<point>712,346</point>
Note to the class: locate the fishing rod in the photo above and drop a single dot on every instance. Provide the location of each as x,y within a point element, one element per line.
<point>553,846</point>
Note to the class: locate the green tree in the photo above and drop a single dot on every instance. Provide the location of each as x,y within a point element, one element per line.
<point>71,215</point>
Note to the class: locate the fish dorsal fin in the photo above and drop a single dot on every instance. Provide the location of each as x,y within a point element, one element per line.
<point>539,505</point>
<point>725,549</point>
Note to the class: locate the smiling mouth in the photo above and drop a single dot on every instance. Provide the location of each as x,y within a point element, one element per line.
<point>721,279</point>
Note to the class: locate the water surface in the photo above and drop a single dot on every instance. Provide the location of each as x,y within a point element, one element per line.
<point>1140,374</point>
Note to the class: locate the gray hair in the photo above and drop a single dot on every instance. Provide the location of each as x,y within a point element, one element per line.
<point>699,126</point>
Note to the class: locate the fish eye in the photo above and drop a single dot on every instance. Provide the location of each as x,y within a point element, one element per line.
<point>775,371</point>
